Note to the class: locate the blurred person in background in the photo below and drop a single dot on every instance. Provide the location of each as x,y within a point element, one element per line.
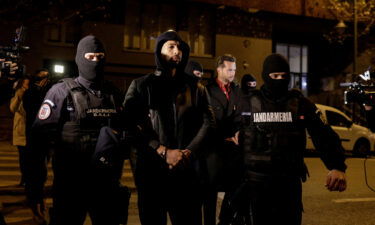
<point>194,69</point>
<point>248,84</point>
<point>19,123</point>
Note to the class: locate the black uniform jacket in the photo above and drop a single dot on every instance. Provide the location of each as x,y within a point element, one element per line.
<point>49,132</point>
<point>273,134</point>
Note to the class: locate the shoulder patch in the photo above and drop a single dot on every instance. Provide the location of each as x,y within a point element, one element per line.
<point>44,111</point>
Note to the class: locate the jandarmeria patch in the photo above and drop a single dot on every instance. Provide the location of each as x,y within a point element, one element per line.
<point>44,111</point>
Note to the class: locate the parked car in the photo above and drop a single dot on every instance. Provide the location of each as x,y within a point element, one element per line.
<point>355,138</point>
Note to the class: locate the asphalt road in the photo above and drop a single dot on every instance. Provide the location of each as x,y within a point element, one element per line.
<point>355,206</point>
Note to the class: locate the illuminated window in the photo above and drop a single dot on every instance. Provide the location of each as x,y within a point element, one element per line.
<point>297,56</point>
<point>144,22</point>
<point>199,33</point>
<point>62,33</point>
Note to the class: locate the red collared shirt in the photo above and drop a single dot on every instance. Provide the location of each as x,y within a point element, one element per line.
<point>225,88</point>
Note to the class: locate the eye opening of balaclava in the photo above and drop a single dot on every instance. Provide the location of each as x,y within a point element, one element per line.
<point>90,70</point>
<point>244,83</point>
<point>272,64</point>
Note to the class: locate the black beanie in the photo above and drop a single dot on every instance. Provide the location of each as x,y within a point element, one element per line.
<point>272,64</point>
<point>90,70</point>
<point>191,66</point>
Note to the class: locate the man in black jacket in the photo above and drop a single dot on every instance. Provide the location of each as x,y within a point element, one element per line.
<point>273,140</point>
<point>170,111</point>
<point>223,159</point>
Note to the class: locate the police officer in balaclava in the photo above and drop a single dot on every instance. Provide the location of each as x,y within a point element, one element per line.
<point>248,83</point>
<point>276,77</point>
<point>90,59</point>
<point>78,115</point>
<point>273,139</point>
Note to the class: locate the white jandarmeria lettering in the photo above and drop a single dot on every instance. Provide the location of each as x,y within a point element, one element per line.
<point>277,117</point>
<point>272,117</point>
<point>268,117</point>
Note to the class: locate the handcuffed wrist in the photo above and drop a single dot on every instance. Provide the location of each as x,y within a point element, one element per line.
<point>162,151</point>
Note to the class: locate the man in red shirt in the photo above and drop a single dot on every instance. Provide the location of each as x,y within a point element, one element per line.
<point>223,158</point>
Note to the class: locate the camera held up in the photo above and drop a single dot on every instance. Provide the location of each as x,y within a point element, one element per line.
<point>361,91</point>
<point>10,56</point>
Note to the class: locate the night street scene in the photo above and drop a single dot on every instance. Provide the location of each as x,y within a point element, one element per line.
<point>189,112</point>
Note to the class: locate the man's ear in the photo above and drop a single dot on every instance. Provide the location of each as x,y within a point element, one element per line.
<point>218,69</point>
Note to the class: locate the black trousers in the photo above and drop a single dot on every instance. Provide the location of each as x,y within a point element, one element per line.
<point>162,191</point>
<point>80,189</point>
<point>2,220</point>
<point>21,160</point>
<point>278,201</point>
<point>224,170</point>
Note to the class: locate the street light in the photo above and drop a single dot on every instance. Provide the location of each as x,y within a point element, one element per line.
<point>341,27</point>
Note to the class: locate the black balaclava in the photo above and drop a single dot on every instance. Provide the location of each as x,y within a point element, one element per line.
<point>90,70</point>
<point>191,66</point>
<point>275,89</point>
<point>167,36</point>
<point>244,86</point>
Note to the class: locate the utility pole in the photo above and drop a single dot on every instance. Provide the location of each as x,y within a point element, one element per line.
<point>355,38</point>
<point>355,50</point>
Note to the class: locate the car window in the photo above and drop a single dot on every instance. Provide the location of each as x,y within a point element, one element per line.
<point>335,119</point>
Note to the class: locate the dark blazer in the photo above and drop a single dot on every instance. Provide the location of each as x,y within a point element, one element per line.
<point>227,112</point>
<point>223,159</point>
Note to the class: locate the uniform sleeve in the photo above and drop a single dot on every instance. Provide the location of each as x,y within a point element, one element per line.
<point>325,140</point>
<point>208,124</point>
<point>45,128</point>
<point>50,112</point>
<point>136,116</point>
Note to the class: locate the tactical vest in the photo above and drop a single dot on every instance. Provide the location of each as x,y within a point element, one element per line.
<point>273,136</point>
<point>88,113</point>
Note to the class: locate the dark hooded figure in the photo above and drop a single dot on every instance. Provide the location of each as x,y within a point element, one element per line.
<point>273,139</point>
<point>194,69</point>
<point>170,113</point>
<point>77,117</point>
<point>248,84</point>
